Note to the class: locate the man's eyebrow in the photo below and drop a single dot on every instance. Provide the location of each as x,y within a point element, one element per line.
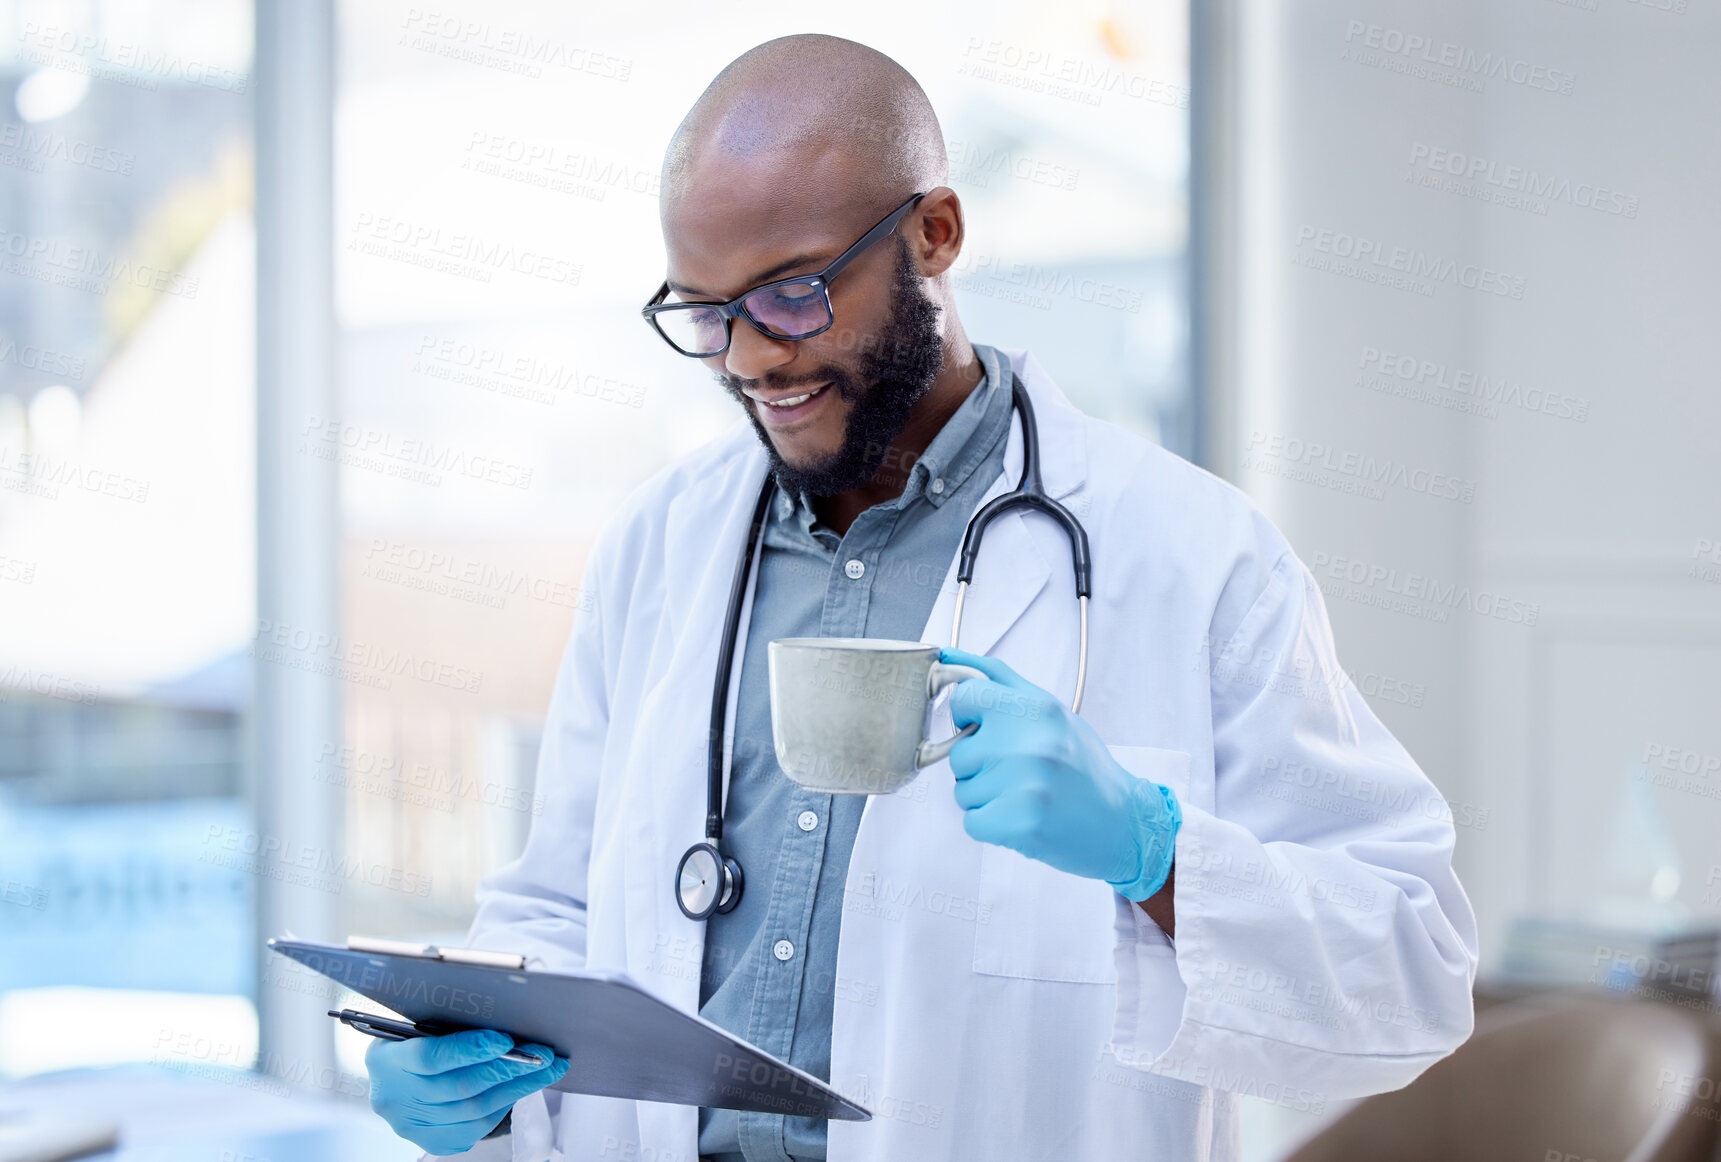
<point>784,267</point>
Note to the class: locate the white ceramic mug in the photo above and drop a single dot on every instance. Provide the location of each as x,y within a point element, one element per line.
<point>848,714</point>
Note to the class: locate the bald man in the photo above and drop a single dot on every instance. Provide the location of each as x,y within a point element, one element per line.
<point>991,1006</point>
<point>786,159</point>
<point>790,154</point>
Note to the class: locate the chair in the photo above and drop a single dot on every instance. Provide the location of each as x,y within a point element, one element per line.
<point>1556,1078</point>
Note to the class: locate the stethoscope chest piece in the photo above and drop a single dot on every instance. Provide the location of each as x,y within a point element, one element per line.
<point>706,882</point>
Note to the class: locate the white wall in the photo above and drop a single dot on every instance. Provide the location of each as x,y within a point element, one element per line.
<point>1589,525</point>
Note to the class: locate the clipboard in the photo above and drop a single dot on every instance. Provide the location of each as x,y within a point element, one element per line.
<point>620,1040</point>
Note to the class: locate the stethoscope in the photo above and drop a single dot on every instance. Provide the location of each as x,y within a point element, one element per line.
<point>708,881</point>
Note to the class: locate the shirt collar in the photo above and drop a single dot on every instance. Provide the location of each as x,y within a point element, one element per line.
<point>954,453</point>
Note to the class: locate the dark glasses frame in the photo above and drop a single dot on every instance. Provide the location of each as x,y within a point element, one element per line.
<point>736,307</point>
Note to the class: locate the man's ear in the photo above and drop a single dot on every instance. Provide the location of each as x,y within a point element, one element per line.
<point>938,234</point>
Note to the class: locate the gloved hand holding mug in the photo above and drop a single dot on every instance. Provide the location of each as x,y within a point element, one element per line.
<point>445,1093</point>
<point>1039,780</point>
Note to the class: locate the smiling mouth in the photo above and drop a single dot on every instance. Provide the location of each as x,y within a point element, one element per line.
<point>794,400</point>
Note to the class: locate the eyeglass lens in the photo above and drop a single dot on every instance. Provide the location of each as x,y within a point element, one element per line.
<point>789,310</point>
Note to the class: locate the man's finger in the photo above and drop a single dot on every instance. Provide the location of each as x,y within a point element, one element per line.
<point>972,697</point>
<point>986,745</point>
<point>994,668</point>
<point>981,787</point>
<point>998,821</point>
<point>472,1080</point>
<point>493,1101</point>
<point>428,1056</point>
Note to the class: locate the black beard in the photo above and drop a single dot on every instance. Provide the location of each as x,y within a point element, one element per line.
<point>893,377</point>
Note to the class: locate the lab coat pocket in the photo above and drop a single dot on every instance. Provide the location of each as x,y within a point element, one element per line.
<point>1041,923</point>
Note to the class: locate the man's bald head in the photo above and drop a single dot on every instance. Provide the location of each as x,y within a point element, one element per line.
<point>810,103</point>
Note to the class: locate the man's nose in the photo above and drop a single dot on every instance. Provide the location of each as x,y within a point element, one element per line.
<point>752,354</point>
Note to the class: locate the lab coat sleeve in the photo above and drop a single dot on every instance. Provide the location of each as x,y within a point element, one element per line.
<point>1324,947</point>
<point>536,904</point>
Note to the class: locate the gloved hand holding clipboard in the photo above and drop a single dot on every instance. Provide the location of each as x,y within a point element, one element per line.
<point>619,1039</point>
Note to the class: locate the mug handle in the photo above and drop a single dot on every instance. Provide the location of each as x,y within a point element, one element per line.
<point>944,674</point>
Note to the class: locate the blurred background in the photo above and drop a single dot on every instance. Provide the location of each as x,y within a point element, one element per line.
<point>321,368</point>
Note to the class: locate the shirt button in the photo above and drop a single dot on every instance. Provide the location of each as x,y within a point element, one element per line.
<point>938,486</point>
<point>854,569</point>
<point>783,949</point>
<point>807,820</point>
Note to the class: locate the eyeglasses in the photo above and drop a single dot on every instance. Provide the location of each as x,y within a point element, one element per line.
<point>790,308</point>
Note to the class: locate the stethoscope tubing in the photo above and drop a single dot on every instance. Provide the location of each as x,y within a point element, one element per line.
<point>726,662</point>
<point>1029,493</point>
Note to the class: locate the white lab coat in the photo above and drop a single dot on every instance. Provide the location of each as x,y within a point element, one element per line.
<point>989,1006</point>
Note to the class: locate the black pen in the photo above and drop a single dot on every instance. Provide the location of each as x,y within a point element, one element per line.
<point>391,1030</point>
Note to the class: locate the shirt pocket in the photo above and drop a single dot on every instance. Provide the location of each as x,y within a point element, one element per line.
<point>1038,922</point>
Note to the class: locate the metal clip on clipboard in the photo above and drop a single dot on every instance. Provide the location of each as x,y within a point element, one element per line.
<point>509,960</point>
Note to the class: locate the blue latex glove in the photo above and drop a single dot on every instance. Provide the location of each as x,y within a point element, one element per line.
<point>1037,779</point>
<point>444,1093</point>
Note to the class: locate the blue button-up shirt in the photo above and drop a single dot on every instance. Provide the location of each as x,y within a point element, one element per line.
<point>770,965</point>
